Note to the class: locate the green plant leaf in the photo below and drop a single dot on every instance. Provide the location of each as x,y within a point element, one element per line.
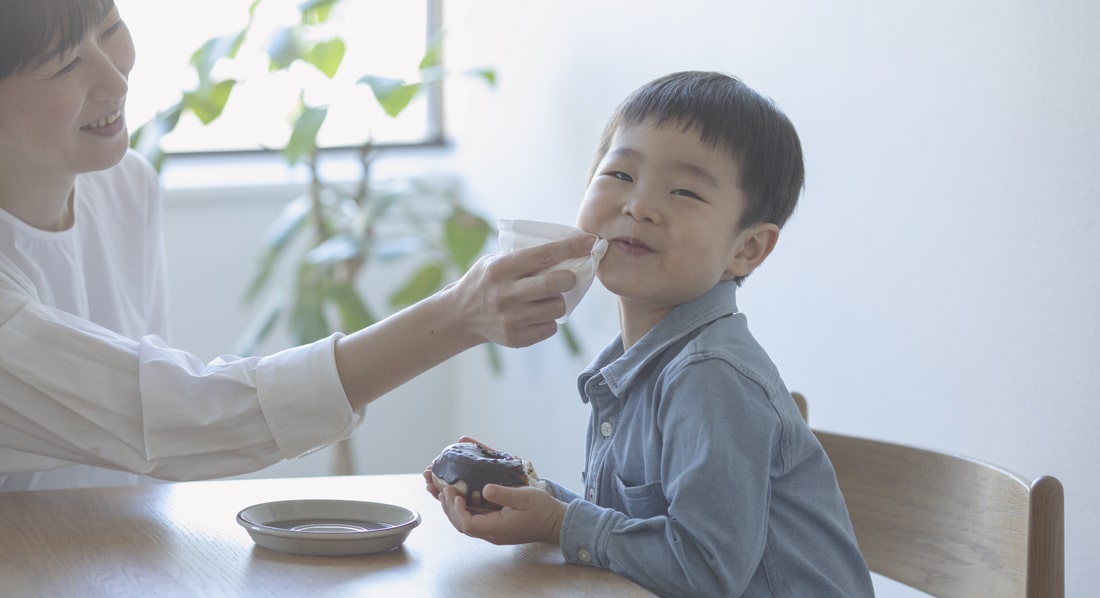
<point>571,341</point>
<point>487,75</point>
<point>425,282</point>
<point>432,74</point>
<point>382,200</point>
<point>393,95</point>
<point>493,350</point>
<point>433,55</point>
<point>354,313</point>
<point>315,12</point>
<point>260,328</point>
<point>290,221</point>
<point>267,266</point>
<point>303,137</point>
<point>284,49</point>
<point>336,249</point>
<point>145,140</point>
<point>397,248</point>
<point>307,320</point>
<point>213,50</point>
<point>464,235</point>
<point>327,56</point>
<point>208,102</point>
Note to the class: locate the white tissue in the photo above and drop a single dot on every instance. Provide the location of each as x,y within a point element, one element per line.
<point>521,234</point>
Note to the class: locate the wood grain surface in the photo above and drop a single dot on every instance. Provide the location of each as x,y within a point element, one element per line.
<point>183,540</point>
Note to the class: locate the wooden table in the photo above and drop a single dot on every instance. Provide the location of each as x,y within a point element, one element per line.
<point>183,540</point>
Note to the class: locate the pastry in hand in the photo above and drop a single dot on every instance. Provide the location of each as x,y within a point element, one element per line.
<point>467,467</point>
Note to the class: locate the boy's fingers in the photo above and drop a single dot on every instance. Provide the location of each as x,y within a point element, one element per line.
<point>513,497</point>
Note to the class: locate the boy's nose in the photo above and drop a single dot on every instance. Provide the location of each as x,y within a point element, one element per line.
<point>642,206</point>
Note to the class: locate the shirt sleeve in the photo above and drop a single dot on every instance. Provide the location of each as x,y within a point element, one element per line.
<point>76,392</point>
<point>700,529</point>
<point>561,492</point>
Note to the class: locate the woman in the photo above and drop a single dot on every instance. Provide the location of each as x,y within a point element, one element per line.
<point>90,393</point>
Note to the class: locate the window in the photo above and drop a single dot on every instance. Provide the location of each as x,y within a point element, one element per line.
<point>383,38</point>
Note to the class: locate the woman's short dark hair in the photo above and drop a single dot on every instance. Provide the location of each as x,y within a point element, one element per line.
<point>731,116</point>
<point>32,31</point>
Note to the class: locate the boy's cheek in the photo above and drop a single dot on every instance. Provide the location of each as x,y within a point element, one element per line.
<point>586,219</point>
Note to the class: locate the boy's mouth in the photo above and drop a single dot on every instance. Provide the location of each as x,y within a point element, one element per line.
<point>631,245</point>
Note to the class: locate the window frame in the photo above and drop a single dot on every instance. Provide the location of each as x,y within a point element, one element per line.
<point>207,168</point>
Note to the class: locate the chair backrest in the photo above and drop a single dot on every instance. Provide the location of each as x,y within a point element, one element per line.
<point>949,525</point>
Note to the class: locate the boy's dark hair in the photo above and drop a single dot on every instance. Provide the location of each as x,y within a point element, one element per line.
<point>730,116</point>
<point>32,31</point>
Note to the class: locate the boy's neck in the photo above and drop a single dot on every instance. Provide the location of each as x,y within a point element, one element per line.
<point>636,320</point>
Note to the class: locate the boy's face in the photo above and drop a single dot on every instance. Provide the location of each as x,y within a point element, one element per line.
<point>670,208</point>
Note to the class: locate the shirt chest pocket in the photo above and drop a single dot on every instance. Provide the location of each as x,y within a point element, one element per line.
<point>639,502</point>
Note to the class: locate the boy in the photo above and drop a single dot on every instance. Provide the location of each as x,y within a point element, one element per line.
<point>701,477</point>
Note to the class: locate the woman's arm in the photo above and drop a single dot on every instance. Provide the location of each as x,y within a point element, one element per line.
<point>508,299</point>
<point>72,391</point>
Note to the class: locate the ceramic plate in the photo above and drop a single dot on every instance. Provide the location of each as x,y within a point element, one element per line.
<point>328,527</point>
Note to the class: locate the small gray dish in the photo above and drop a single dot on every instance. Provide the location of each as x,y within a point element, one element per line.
<point>328,527</point>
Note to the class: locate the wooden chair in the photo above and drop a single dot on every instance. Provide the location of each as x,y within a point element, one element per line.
<point>949,525</point>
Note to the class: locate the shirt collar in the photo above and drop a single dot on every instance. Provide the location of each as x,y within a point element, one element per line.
<point>620,369</point>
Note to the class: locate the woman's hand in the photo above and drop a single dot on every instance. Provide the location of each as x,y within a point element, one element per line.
<point>511,299</point>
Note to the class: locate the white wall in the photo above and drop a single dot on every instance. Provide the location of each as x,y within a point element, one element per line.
<point>936,286</point>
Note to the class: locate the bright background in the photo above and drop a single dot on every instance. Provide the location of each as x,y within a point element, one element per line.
<point>937,285</point>
<point>382,38</point>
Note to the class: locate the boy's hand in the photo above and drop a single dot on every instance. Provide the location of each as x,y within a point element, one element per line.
<point>432,489</point>
<point>430,483</point>
<point>529,515</point>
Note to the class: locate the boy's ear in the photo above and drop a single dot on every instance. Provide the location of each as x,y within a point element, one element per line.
<point>752,246</point>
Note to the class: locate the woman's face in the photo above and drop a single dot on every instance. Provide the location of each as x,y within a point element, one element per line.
<point>65,116</point>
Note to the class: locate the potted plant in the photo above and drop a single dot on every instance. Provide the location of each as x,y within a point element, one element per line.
<point>340,230</point>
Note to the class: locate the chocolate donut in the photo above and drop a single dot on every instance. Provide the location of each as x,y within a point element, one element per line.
<point>467,467</point>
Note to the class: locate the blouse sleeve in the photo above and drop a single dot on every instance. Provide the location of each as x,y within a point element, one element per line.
<point>155,265</point>
<point>76,392</point>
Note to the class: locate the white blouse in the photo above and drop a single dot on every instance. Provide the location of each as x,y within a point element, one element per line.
<point>86,377</point>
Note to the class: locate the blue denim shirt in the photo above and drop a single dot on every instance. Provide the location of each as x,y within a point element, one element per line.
<point>701,477</point>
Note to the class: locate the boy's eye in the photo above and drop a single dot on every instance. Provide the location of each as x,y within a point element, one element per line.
<point>622,176</point>
<point>686,193</point>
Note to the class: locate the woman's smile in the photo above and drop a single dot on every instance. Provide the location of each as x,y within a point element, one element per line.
<point>108,125</point>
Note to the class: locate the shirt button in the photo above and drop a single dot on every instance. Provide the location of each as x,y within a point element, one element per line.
<point>591,495</point>
<point>584,555</point>
<point>605,429</point>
